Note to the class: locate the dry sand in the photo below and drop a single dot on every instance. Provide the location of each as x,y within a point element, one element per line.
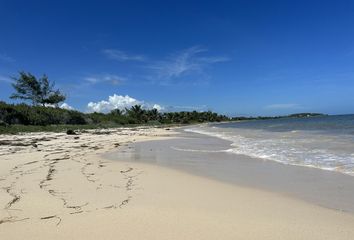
<point>57,186</point>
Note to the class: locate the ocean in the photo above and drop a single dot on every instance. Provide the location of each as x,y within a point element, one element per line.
<point>324,142</point>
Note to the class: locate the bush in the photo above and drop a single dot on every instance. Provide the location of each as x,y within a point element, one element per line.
<point>23,114</point>
<point>38,115</point>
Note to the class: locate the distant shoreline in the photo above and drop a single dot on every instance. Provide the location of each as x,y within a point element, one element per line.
<point>18,128</point>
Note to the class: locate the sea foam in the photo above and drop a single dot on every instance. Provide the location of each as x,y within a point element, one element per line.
<point>299,148</point>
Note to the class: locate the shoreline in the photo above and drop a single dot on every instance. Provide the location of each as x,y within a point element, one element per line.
<point>271,155</point>
<point>58,186</point>
<point>329,189</point>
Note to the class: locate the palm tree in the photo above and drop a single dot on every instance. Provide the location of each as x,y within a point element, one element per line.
<point>153,115</point>
<point>137,112</point>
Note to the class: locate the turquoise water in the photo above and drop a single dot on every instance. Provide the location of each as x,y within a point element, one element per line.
<point>325,142</point>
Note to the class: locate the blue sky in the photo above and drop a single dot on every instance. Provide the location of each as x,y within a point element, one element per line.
<point>233,57</point>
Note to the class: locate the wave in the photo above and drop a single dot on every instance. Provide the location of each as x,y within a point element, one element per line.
<point>285,150</point>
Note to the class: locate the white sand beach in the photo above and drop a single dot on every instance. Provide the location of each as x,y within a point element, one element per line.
<point>58,186</point>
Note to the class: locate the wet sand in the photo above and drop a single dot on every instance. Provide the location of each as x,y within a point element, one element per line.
<point>203,155</point>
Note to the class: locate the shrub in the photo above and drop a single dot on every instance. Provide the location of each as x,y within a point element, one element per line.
<point>43,116</point>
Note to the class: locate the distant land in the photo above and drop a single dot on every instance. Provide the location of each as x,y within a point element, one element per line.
<point>294,115</point>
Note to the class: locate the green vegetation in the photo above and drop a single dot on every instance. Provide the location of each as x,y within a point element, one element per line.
<point>38,91</point>
<point>22,117</point>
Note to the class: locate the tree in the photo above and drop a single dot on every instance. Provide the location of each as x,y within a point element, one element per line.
<point>136,112</point>
<point>153,114</point>
<point>116,112</point>
<point>38,91</point>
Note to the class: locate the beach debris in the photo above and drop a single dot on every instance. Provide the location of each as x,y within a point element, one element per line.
<point>125,202</point>
<point>52,216</point>
<point>110,207</point>
<point>15,143</point>
<point>101,132</point>
<point>126,171</point>
<point>11,220</point>
<point>76,207</point>
<point>13,201</point>
<point>70,132</point>
<point>95,147</point>
<point>77,212</point>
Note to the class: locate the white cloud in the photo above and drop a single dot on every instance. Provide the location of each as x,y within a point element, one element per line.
<point>105,78</point>
<point>158,107</point>
<point>183,63</point>
<point>283,106</point>
<point>63,106</point>
<point>186,66</point>
<point>120,102</point>
<point>66,106</point>
<point>122,56</point>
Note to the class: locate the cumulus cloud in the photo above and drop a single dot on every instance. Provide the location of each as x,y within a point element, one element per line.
<point>66,106</point>
<point>119,102</point>
<point>63,106</point>
<point>121,56</point>
<point>283,106</point>
<point>158,107</point>
<point>105,78</point>
<point>184,62</point>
